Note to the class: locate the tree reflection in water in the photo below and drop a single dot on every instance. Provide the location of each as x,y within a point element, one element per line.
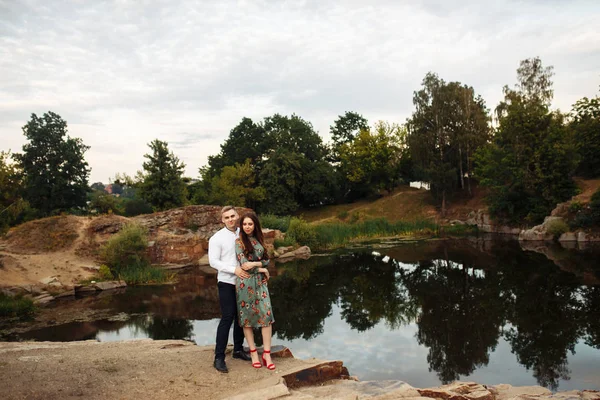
<point>461,302</point>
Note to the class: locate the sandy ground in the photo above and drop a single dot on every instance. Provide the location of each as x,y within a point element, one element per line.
<point>27,267</point>
<point>139,369</point>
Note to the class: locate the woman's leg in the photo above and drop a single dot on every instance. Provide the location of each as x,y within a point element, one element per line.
<point>267,331</point>
<point>249,334</point>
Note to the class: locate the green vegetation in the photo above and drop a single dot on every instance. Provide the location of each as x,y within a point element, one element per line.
<point>16,306</point>
<point>125,256</point>
<point>557,228</point>
<point>336,234</point>
<point>590,215</point>
<point>272,221</point>
<point>528,166</point>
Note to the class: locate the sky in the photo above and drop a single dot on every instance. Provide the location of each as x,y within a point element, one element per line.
<point>123,73</point>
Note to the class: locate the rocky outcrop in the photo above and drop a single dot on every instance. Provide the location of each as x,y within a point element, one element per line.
<point>483,221</point>
<point>540,232</point>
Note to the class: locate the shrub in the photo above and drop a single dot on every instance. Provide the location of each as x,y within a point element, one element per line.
<point>557,227</point>
<point>288,241</point>
<point>137,206</point>
<point>275,222</point>
<point>343,214</point>
<point>138,274</point>
<point>575,206</point>
<point>17,306</point>
<point>302,233</point>
<point>104,273</point>
<point>126,248</point>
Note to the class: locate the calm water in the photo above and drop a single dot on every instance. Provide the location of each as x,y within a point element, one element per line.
<point>426,313</point>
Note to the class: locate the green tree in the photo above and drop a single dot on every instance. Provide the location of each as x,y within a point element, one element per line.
<point>104,203</point>
<point>371,162</point>
<point>11,188</point>
<point>163,185</point>
<point>54,168</point>
<point>235,185</point>
<point>585,125</point>
<point>528,165</point>
<point>281,176</point>
<point>99,186</point>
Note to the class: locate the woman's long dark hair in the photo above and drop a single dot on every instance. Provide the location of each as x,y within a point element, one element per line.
<point>258,235</point>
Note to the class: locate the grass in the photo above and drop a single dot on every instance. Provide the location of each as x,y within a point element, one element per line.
<point>17,306</point>
<point>331,235</point>
<point>271,221</point>
<point>144,274</point>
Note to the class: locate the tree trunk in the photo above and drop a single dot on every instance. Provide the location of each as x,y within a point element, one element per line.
<point>462,179</point>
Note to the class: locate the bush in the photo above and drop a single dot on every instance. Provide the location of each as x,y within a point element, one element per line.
<point>125,249</point>
<point>275,222</point>
<point>575,207</point>
<point>302,233</point>
<point>343,214</point>
<point>137,206</point>
<point>17,306</point>
<point>104,273</point>
<point>138,274</point>
<point>288,241</point>
<point>557,227</point>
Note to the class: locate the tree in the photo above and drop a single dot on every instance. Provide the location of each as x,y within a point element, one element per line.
<point>529,164</point>
<point>345,129</point>
<point>54,168</point>
<point>236,186</point>
<point>447,127</point>
<point>585,125</point>
<point>11,188</point>
<point>371,162</point>
<point>104,203</point>
<point>99,186</point>
<point>163,185</point>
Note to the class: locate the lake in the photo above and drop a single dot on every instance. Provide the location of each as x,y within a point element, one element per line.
<point>426,312</point>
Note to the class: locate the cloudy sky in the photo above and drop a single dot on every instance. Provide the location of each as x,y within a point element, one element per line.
<point>122,73</point>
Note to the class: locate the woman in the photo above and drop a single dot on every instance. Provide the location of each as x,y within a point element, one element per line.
<point>253,300</point>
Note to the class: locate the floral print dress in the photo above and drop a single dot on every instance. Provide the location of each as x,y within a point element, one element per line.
<point>253,300</point>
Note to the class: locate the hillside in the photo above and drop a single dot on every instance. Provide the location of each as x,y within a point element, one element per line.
<point>406,203</point>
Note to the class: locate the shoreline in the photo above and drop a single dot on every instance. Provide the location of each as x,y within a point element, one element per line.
<point>173,369</point>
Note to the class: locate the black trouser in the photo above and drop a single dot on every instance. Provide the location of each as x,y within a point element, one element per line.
<point>229,315</point>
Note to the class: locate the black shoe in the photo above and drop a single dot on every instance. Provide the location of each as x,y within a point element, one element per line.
<point>220,365</point>
<point>242,355</point>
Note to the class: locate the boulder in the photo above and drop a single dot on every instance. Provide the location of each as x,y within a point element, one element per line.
<point>506,392</point>
<point>540,232</point>
<point>109,285</point>
<point>301,252</point>
<point>458,391</point>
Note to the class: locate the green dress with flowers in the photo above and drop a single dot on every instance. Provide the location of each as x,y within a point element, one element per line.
<point>253,300</point>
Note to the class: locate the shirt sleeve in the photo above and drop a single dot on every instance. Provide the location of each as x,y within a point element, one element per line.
<point>214,256</point>
<point>241,256</point>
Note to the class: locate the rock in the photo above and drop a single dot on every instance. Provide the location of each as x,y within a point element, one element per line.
<point>91,268</point>
<point>268,233</point>
<point>506,392</point>
<point>316,374</point>
<point>283,249</point>
<point>568,237</point>
<point>109,285</point>
<point>539,232</point>
<point>84,288</point>
<point>203,260</point>
<point>484,223</point>
<point>267,393</point>
<point>43,299</point>
<point>457,222</point>
<point>458,391</point>
<point>49,280</point>
<point>301,252</point>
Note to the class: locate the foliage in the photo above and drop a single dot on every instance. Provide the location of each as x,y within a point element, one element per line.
<point>449,124</point>
<point>16,306</point>
<point>11,187</point>
<point>126,249</point>
<point>105,273</point>
<point>575,207</point>
<point>302,233</point>
<point>557,227</point>
<point>370,163</point>
<point>272,221</point>
<point>345,129</point>
<point>104,203</point>
<point>588,216</point>
<point>163,185</point>
<point>136,206</point>
<point>285,242</point>
<point>529,164</point>
<point>585,125</point>
<point>54,169</point>
<point>235,185</point>
<point>99,186</point>
<point>137,274</point>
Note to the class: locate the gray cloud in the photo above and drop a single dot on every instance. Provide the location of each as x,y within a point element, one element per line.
<point>124,72</point>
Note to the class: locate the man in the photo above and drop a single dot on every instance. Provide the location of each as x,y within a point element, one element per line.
<point>221,256</point>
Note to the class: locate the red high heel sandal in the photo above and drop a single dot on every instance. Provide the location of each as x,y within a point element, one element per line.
<point>270,366</point>
<point>255,364</point>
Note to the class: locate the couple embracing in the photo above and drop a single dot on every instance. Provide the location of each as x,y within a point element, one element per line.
<point>238,252</point>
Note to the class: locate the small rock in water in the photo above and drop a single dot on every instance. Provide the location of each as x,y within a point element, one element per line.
<point>376,253</point>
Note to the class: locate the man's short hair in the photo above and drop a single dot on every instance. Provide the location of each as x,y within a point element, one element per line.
<point>227,208</point>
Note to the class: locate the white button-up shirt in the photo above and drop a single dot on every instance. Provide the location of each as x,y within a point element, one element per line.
<point>221,254</point>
